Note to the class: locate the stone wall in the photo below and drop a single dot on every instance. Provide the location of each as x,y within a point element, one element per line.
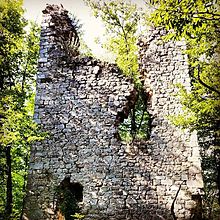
<point>77,102</point>
<point>163,66</point>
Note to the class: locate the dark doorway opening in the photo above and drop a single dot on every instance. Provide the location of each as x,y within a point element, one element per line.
<point>69,194</point>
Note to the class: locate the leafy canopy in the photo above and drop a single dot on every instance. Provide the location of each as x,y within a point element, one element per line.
<point>18,61</point>
<point>198,22</point>
<point>121,21</point>
<point>11,39</point>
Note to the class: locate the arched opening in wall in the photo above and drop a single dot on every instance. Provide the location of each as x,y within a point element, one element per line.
<point>68,197</point>
<point>134,123</point>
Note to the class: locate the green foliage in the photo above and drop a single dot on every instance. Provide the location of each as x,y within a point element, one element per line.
<point>198,22</point>
<point>17,125</point>
<point>11,39</point>
<point>30,53</point>
<point>200,109</point>
<point>121,21</point>
<point>78,216</point>
<point>18,61</point>
<point>137,125</point>
<point>18,131</point>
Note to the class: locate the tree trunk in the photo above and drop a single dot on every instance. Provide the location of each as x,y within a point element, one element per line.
<point>218,173</point>
<point>8,206</point>
<point>24,187</point>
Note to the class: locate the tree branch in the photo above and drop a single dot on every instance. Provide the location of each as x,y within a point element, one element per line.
<point>173,203</point>
<point>204,84</point>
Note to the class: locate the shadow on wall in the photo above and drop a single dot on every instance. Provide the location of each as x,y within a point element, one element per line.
<point>136,212</point>
<point>144,212</point>
<point>133,212</point>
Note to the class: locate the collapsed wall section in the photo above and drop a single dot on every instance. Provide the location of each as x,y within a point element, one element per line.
<point>77,103</point>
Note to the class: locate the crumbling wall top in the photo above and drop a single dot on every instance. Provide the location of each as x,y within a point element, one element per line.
<point>58,29</point>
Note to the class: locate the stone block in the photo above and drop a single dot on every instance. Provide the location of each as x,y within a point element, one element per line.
<point>42,60</point>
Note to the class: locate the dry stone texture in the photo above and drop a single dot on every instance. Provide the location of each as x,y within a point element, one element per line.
<point>77,102</point>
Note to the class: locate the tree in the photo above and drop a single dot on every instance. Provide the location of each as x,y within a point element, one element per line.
<point>17,132</point>
<point>198,23</point>
<point>11,37</point>
<point>122,20</point>
<point>18,60</point>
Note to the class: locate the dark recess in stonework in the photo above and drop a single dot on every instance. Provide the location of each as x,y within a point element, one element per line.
<point>68,196</point>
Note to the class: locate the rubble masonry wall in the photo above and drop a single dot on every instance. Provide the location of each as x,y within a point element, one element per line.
<point>77,103</point>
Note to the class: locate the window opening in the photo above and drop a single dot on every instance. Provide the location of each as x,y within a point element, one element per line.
<point>136,124</point>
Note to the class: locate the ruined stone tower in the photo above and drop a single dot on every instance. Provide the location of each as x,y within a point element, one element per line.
<point>77,103</point>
